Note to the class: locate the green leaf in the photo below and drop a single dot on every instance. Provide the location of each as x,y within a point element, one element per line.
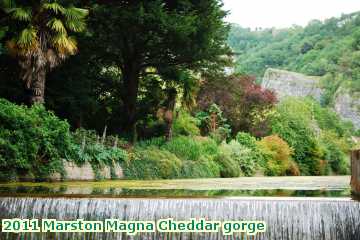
<point>73,13</point>
<point>56,25</point>
<point>21,14</point>
<point>27,37</point>
<point>75,25</point>
<point>55,7</point>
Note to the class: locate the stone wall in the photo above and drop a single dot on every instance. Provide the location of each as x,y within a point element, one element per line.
<point>86,172</point>
<point>355,172</point>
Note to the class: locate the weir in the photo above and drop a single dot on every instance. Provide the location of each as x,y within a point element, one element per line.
<point>289,218</point>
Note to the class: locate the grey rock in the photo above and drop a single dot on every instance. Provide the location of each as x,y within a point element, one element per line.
<point>286,83</point>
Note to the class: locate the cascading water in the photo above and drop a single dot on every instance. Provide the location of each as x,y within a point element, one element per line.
<point>286,219</point>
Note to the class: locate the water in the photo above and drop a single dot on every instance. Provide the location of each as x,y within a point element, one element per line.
<point>286,218</point>
<point>294,208</point>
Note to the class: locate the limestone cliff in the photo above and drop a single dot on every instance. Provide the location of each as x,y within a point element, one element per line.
<point>347,105</point>
<point>285,83</point>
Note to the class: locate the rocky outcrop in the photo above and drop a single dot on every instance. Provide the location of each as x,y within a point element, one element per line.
<point>285,83</point>
<point>347,105</point>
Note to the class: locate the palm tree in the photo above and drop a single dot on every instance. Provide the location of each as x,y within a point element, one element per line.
<point>40,40</point>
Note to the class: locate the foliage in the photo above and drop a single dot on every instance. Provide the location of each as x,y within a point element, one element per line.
<point>233,91</point>
<point>246,140</point>
<point>213,123</point>
<point>33,141</point>
<point>229,167</point>
<point>327,48</point>
<point>335,153</point>
<point>242,155</point>
<point>293,123</point>
<point>160,36</point>
<point>152,163</point>
<point>192,149</point>
<point>40,38</point>
<point>185,125</point>
<point>182,157</point>
<point>278,156</point>
<point>205,167</point>
<point>302,123</point>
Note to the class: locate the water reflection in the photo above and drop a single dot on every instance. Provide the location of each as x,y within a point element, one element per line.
<point>60,191</point>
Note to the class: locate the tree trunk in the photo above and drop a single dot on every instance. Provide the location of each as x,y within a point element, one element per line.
<point>34,84</point>
<point>169,113</point>
<point>38,87</point>
<point>131,73</point>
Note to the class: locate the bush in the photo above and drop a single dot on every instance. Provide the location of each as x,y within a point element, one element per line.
<point>293,122</point>
<point>246,140</point>
<point>188,148</point>
<point>152,163</point>
<point>89,147</point>
<point>241,155</point>
<point>186,125</point>
<point>228,166</point>
<point>204,167</point>
<point>278,156</point>
<point>335,149</point>
<point>33,141</point>
<point>249,141</point>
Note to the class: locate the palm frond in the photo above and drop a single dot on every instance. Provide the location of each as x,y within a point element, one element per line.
<point>64,44</point>
<point>73,13</point>
<point>55,7</point>
<point>75,25</point>
<point>21,14</point>
<point>27,38</point>
<point>56,25</point>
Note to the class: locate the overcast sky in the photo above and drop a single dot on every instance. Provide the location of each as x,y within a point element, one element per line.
<point>284,13</point>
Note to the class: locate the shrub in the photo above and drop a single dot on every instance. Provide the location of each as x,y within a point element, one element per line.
<point>188,148</point>
<point>335,149</point>
<point>33,141</point>
<point>249,141</point>
<point>242,155</point>
<point>152,163</point>
<point>246,139</point>
<point>278,156</point>
<point>228,166</point>
<point>294,124</point>
<point>204,167</point>
<point>186,125</point>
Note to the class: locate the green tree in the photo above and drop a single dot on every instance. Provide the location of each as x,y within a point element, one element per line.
<point>40,40</point>
<point>138,35</point>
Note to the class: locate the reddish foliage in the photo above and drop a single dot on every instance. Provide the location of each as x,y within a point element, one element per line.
<point>237,97</point>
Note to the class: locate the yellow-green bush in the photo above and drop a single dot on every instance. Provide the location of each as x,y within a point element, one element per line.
<point>152,163</point>
<point>278,156</point>
<point>185,124</point>
<point>243,157</point>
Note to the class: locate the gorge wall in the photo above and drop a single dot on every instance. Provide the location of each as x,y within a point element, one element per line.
<point>285,83</point>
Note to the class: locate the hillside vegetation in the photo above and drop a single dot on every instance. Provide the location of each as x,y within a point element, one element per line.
<point>330,49</point>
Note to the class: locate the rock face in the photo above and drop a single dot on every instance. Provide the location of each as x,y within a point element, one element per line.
<point>285,83</point>
<point>348,106</point>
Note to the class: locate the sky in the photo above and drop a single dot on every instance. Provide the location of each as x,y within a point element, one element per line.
<point>285,13</point>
